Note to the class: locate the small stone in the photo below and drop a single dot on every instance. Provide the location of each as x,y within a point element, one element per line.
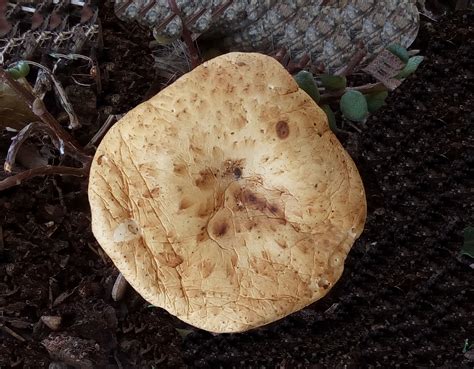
<point>51,321</point>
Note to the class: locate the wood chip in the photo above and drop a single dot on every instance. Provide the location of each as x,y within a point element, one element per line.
<point>120,287</point>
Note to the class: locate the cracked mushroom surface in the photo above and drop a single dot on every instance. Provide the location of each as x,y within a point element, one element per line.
<point>226,199</point>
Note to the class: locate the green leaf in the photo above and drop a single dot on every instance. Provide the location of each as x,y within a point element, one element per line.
<point>333,82</point>
<point>23,68</point>
<point>19,70</point>
<point>306,82</point>
<point>14,73</point>
<point>411,67</point>
<point>400,51</point>
<point>376,100</point>
<point>468,245</point>
<point>331,117</point>
<point>354,106</point>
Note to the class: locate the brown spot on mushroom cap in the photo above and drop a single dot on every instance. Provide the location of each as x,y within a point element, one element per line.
<point>170,259</point>
<point>273,208</point>
<point>211,212</point>
<point>179,169</point>
<point>220,229</point>
<point>185,203</point>
<point>205,209</point>
<point>282,129</point>
<point>237,173</point>
<point>203,236</point>
<point>206,268</point>
<point>252,200</point>
<point>205,179</point>
<point>154,192</point>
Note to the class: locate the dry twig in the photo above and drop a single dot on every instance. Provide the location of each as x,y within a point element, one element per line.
<point>111,119</point>
<point>368,88</point>
<point>17,179</point>
<point>23,135</point>
<point>187,37</point>
<point>61,139</point>
<point>64,100</point>
<point>73,148</point>
<point>11,332</point>
<point>354,62</point>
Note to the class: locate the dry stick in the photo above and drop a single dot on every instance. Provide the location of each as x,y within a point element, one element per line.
<point>71,147</point>
<point>354,62</point>
<point>370,87</point>
<point>11,332</point>
<point>111,119</point>
<point>73,119</point>
<point>23,135</point>
<point>42,84</point>
<point>187,37</point>
<point>296,67</point>
<point>94,70</point>
<point>282,56</point>
<point>17,179</point>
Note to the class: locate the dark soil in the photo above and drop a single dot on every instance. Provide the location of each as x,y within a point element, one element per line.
<point>406,298</point>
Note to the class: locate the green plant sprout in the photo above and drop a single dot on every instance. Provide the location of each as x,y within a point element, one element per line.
<point>19,70</point>
<point>356,103</point>
<point>467,346</point>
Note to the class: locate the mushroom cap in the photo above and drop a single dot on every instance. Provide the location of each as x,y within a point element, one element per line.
<point>226,199</point>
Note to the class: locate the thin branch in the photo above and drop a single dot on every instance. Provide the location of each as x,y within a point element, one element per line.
<point>42,84</point>
<point>368,88</point>
<point>73,148</point>
<point>187,37</point>
<point>23,135</point>
<point>94,68</point>
<point>17,179</point>
<point>111,119</point>
<point>11,332</point>
<point>355,60</point>
<point>65,103</point>
<point>293,67</point>
<point>72,57</point>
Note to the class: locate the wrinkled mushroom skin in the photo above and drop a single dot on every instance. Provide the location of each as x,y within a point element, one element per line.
<point>226,199</point>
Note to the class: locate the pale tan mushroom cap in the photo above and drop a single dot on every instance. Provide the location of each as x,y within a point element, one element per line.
<point>226,199</point>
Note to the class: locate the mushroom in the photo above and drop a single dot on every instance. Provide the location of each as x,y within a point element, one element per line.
<point>226,199</point>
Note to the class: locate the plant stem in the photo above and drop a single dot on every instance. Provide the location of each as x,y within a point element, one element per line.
<point>70,145</point>
<point>354,62</point>
<point>61,93</point>
<point>22,136</point>
<point>368,88</point>
<point>17,179</point>
<point>187,38</point>
<point>109,122</point>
